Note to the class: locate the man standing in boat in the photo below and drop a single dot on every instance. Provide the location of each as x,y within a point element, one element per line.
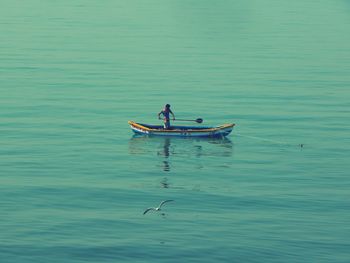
<point>166,113</point>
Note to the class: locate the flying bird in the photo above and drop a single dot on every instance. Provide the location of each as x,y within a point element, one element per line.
<point>157,208</point>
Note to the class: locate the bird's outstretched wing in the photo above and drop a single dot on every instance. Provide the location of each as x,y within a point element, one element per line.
<point>148,209</point>
<point>163,202</point>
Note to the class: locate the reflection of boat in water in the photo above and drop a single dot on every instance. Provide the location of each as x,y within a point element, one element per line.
<point>170,149</point>
<point>182,131</point>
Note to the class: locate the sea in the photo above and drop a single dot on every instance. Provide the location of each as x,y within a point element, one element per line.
<point>75,181</point>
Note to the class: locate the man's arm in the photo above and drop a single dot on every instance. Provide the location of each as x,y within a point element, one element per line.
<point>173,115</point>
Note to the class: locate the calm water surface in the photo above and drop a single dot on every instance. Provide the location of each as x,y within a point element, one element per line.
<point>74,181</point>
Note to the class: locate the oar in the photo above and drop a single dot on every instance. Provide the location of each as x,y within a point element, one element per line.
<point>199,120</point>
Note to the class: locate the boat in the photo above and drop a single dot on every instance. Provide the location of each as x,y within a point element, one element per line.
<point>181,131</point>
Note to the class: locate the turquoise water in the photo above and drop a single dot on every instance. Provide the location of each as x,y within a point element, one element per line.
<point>74,182</point>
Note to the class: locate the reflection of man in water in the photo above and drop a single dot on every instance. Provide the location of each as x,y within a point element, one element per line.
<point>166,147</point>
<point>166,153</point>
<point>164,183</point>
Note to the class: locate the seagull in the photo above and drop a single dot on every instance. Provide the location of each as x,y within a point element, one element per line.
<point>157,208</point>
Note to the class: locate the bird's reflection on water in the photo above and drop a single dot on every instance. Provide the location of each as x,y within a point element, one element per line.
<point>172,150</point>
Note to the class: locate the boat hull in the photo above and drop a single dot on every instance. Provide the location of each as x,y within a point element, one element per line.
<point>182,131</point>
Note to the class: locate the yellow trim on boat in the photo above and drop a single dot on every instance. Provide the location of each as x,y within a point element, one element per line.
<point>140,126</point>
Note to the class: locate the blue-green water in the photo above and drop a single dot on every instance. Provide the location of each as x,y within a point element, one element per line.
<point>74,182</point>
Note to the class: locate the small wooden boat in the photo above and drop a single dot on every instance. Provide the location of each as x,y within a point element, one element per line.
<point>181,131</point>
